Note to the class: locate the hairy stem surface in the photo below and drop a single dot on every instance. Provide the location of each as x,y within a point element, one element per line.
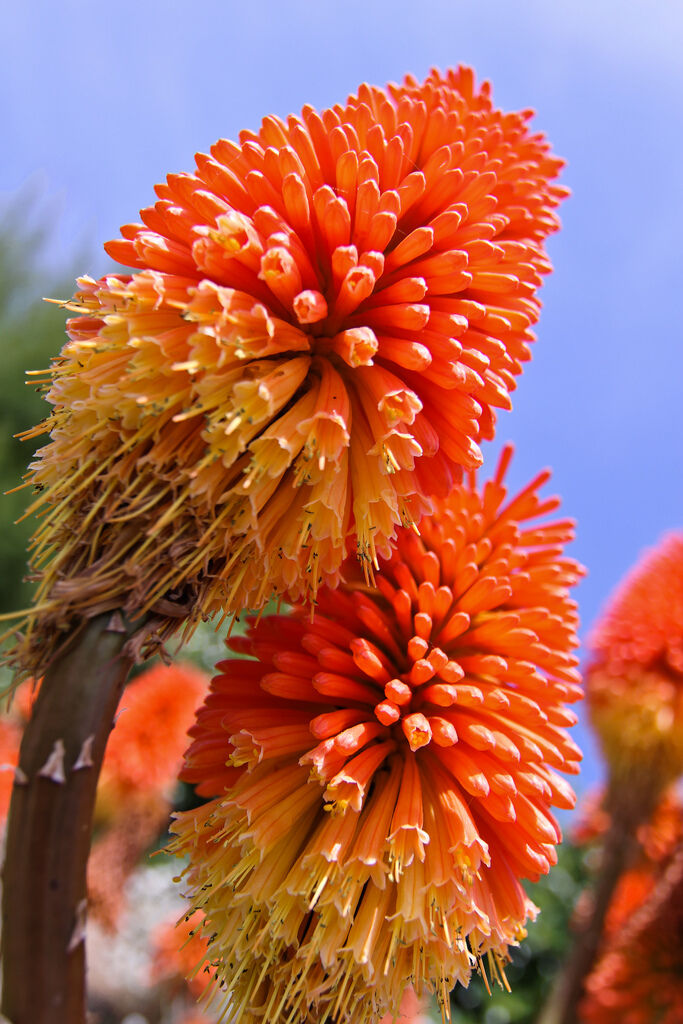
<point>50,823</point>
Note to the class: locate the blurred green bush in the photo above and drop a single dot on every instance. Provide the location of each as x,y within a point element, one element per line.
<point>31,333</point>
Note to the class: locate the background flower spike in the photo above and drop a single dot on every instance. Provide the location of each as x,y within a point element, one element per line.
<point>634,691</point>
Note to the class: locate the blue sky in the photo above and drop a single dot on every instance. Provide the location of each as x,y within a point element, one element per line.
<point>102,100</point>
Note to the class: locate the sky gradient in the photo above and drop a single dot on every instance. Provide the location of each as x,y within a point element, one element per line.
<point>101,101</point>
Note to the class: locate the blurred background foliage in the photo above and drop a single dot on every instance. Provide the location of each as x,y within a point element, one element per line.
<point>31,333</point>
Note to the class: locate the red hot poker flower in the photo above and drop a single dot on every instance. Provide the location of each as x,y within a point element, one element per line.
<point>634,683</point>
<point>383,774</point>
<point>319,325</point>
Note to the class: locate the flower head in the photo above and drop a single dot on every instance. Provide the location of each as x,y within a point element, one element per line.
<point>383,773</point>
<point>319,325</point>
<point>657,840</point>
<point>634,683</point>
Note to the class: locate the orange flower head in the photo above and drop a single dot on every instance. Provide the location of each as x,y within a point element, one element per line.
<point>319,324</point>
<point>145,750</point>
<point>383,773</point>
<point>634,683</point>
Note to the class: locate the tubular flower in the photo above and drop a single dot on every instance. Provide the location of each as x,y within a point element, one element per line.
<point>383,773</point>
<point>319,324</point>
<point>634,683</point>
<point>410,1011</point>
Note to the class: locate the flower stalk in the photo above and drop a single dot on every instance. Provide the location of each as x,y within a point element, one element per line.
<point>49,829</point>
<point>619,850</point>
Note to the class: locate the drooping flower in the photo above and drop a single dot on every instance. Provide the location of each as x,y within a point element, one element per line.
<point>637,978</point>
<point>383,773</point>
<point>634,683</point>
<point>319,325</point>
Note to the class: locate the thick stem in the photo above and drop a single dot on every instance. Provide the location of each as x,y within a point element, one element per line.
<point>49,828</point>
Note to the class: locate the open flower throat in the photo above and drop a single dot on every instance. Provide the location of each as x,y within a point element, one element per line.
<point>320,323</point>
<point>383,774</point>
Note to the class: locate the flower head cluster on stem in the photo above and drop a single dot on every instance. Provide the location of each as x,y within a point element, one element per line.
<point>634,682</point>
<point>320,323</point>
<point>383,773</point>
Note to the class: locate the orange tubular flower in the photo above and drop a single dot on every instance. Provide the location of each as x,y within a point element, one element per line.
<point>657,842</point>
<point>634,683</point>
<point>383,773</point>
<point>318,327</point>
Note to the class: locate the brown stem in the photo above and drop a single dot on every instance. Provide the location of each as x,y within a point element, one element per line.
<point>627,809</point>
<point>49,827</point>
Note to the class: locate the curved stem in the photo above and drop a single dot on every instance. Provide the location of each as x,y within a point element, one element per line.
<point>50,822</point>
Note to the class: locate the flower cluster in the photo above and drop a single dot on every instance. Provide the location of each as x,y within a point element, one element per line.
<point>319,325</point>
<point>383,772</point>
<point>634,683</point>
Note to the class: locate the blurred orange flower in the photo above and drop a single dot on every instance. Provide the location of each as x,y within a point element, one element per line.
<point>145,750</point>
<point>657,841</point>
<point>319,325</point>
<point>383,773</point>
<point>178,949</point>
<point>637,979</point>
<point>409,1012</point>
<point>634,683</point>
<point>141,766</point>
<point>10,738</point>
